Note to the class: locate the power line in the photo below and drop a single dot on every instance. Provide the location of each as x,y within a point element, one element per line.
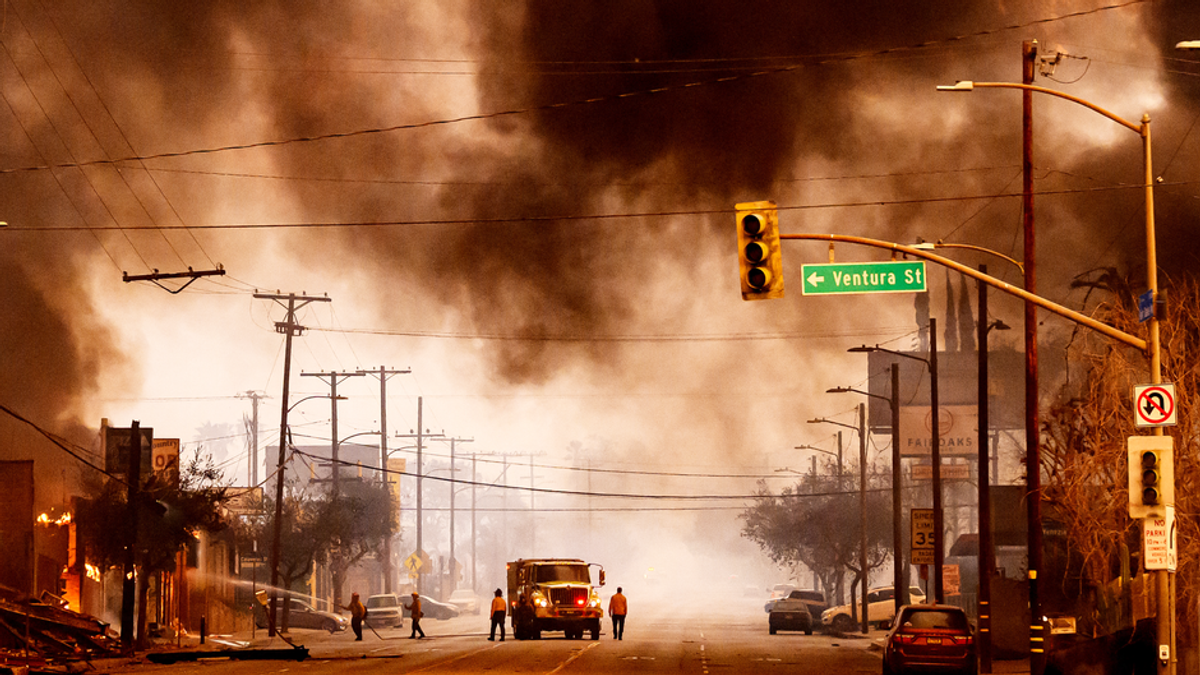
<point>585,493</point>
<point>583,217</point>
<point>589,101</point>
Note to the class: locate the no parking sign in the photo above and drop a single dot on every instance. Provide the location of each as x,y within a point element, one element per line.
<point>1154,405</point>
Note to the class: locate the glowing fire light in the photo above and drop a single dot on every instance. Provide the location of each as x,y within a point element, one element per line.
<point>64,519</point>
<point>93,572</point>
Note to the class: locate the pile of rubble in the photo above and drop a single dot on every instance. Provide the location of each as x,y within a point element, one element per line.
<point>34,632</point>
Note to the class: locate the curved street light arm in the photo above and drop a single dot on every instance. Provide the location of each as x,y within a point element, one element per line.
<point>967,85</point>
<point>819,420</point>
<point>852,390</point>
<point>1077,317</point>
<point>930,245</point>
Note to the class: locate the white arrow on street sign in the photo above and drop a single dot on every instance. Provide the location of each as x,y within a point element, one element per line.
<point>815,279</point>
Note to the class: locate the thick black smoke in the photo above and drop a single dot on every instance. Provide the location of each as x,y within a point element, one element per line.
<point>188,75</point>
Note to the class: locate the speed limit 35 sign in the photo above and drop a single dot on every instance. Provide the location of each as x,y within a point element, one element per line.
<point>1154,405</point>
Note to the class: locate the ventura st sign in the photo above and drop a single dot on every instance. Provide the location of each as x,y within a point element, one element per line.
<point>897,276</point>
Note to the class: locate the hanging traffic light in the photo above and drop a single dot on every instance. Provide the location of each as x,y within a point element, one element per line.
<point>759,257</point>
<point>1151,476</point>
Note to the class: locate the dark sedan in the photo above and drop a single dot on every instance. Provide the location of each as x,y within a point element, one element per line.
<point>430,608</point>
<point>790,613</point>
<point>930,638</point>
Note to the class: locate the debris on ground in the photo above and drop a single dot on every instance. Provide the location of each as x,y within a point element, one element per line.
<point>37,634</point>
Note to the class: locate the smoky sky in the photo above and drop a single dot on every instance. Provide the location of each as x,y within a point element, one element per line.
<point>782,85</point>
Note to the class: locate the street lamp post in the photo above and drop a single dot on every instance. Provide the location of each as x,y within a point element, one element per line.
<point>987,554</point>
<point>276,538</point>
<point>899,584</point>
<point>1166,621</point>
<point>935,450</point>
<point>862,501</point>
<point>831,453</point>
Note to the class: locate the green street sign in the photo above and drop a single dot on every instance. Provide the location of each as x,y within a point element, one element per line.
<point>897,276</point>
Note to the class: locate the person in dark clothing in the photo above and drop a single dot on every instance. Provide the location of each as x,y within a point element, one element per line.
<point>498,611</point>
<point>414,610</point>
<point>358,612</point>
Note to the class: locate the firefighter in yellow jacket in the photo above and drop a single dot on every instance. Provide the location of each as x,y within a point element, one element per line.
<point>498,611</point>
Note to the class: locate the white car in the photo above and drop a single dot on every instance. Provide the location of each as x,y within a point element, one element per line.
<point>881,608</point>
<point>383,611</point>
<point>465,600</point>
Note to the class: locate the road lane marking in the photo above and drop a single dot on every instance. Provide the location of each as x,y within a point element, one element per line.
<point>574,656</point>
<point>453,659</point>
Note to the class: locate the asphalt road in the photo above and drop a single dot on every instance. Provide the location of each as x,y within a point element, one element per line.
<point>727,638</point>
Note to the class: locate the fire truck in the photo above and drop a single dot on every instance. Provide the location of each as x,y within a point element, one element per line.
<point>554,594</point>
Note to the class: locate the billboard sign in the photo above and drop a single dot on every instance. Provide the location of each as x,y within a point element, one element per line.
<point>116,450</point>
<point>958,427</point>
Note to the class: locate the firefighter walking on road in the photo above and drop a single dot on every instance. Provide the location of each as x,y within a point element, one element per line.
<point>617,608</point>
<point>414,610</point>
<point>498,611</point>
<point>358,612</point>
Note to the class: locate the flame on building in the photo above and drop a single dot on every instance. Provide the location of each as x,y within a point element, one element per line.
<point>45,519</point>
<point>93,572</point>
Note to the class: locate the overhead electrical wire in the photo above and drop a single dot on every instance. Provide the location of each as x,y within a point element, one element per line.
<point>586,493</point>
<point>567,104</point>
<point>578,217</point>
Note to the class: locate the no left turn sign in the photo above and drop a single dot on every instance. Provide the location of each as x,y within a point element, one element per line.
<point>1154,405</point>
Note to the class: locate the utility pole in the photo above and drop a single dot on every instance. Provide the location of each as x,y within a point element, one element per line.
<point>252,458</point>
<point>986,556</point>
<point>532,528</point>
<point>862,510</point>
<point>1033,461</point>
<point>289,328</point>
<point>335,377</point>
<point>336,572</point>
<point>421,434</point>
<point>128,587</point>
<point>383,374</point>
<point>453,489</point>
<point>474,538</point>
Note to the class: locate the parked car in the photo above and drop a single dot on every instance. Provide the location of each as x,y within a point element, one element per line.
<point>302,615</point>
<point>778,592</point>
<point>930,638</point>
<point>881,608</point>
<point>432,609</point>
<point>383,611</point>
<point>465,600</point>
<point>790,613</point>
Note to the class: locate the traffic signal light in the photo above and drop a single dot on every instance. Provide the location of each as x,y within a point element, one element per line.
<point>1151,475</point>
<point>1151,478</point>
<point>758,251</point>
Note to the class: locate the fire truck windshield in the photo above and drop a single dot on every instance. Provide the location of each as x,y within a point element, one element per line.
<point>572,573</point>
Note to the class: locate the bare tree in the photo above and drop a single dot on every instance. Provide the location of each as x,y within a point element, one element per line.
<point>1084,451</point>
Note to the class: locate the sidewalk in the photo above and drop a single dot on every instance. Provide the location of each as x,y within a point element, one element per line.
<point>1014,666</point>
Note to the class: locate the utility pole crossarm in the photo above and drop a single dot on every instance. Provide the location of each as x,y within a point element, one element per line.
<point>191,275</point>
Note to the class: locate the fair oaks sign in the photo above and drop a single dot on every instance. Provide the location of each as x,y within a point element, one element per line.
<point>958,426</point>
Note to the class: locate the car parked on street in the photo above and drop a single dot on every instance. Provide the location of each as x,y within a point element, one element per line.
<point>432,609</point>
<point>465,600</point>
<point>778,592</point>
<point>930,638</point>
<point>790,613</point>
<point>383,611</point>
<point>302,615</point>
<point>881,608</point>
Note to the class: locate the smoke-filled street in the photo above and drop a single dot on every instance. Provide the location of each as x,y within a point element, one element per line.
<point>684,638</point>
<point>373,298</point>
